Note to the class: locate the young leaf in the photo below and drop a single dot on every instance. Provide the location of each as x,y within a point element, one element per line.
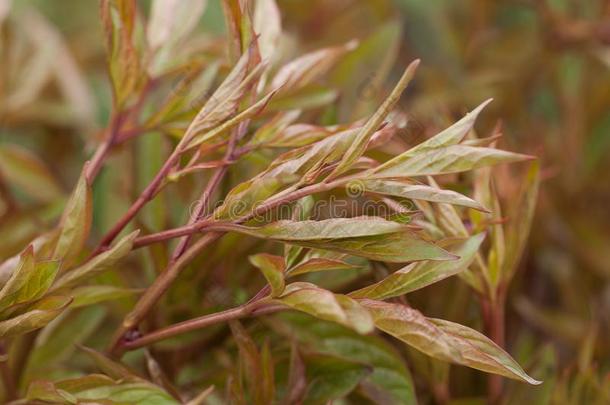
<point>420,192</point>
<point>118,19</point>
<point>308,68</point>
<point>323,304</point>
<point>225,100</point>
<point>272,268</point>
<point>29,281</point>
<point>75,222</point>
<point>521,221</point>
<point>319,264</point>
<point>416,276</point>
<point>34,317</point>
<point>359,145</point>
<point>249,112</point>
<point>450,136</point>
<point>444,160</point>
<point>444,340</point>
<point>97,264</point>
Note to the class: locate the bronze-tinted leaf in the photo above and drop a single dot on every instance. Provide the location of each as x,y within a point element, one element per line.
<point>444,340</point>
<point>323,304</point>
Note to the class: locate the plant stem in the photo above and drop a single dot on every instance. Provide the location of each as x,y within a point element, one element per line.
<point>10,389</point>
<point>494,319</point>
<point>242,311</point>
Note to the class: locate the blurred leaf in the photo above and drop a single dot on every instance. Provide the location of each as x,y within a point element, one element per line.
<point>331,378</point>
<point>309,67</point>
<point>169,24</point>
<point>267,23</point>
<point>20,167</point>
<point>94,294</point>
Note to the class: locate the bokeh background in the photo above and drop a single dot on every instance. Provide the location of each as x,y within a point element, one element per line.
<point>546,63</point>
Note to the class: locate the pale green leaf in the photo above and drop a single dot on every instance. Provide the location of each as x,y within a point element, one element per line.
<point>420,192</point>
<point>444,160</point>
<point>34,317</point>
<point>29,281</point>
<point>419,275</point>
<point>358,147</point>
<point>75,222</point>
<point>98,264</point>
<point>272,268</point>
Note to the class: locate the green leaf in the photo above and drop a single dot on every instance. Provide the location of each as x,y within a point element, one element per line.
<point>97,264</point>
<point>331,378</point>
<point>337,228</point>
<point>319,264</point>
<point>112,368</point>
<point>420,192</point>
<point>445,160</point>
<point>34,317</point>
<point>97,387</point>
<point>75,222</point>
<point>94,294</point>
<point>272,268</point>
<point>23,169</point>
<point>29,281</point>
<point>444,340</point>
<point>358,147</point>
<point>323,304</point>
<point>419,275</point>
<point>396,247</point>
<point>389,382</point>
